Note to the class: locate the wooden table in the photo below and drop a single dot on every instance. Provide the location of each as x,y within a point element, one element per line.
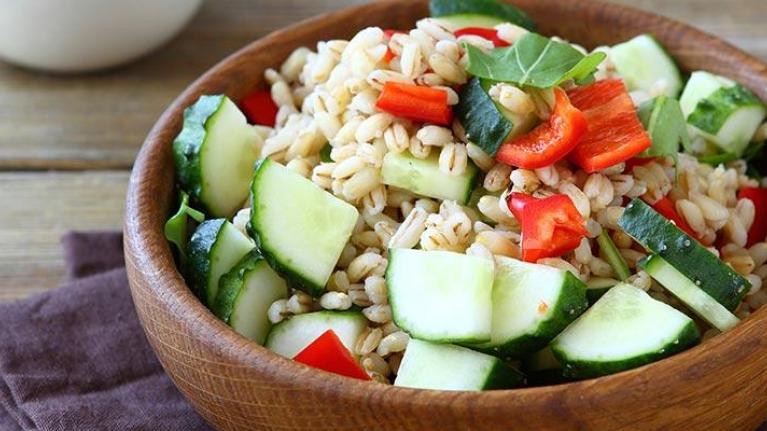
<point>67,142</point>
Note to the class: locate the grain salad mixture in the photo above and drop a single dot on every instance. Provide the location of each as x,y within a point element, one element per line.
<point>471,195</point>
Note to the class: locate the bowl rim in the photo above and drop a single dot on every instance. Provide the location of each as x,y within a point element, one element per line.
<point>142,235</point>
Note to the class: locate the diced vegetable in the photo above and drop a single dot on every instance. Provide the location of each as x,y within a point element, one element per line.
<point>758,230</point>
<point>300,229</point>
<point>625,329</point>
<point>666,208</point>
<point>532,304</point>
<point>214,155</point>
<point>690,294</point>
<point>415,102</point>
<point>260,108</point>
<point>328,353</point>
<point>548,142</point>
<point>452,368</point>
<point>488,9</point>
<point>645,65</point>
<point>695,262</point>
<point>440,296</point>
<point>615,133</point>
<point>216,246</point>
<point>663,119</point>
<point>294,334</point>
<point>424,177</point>
<point>550,227</point>
<point>490,34</point>
<point>597,287</point>
<point>722,111</point>
<point>245,294</point>
<point>613,256</point>
<point>176,227</point>
<point>533,61</point>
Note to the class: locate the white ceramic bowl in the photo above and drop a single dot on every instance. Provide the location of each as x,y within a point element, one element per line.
<point>84,35</point>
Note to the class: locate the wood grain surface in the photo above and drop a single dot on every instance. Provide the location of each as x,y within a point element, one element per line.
<point>237,385</point>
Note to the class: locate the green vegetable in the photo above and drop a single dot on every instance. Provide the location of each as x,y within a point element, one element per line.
<point>481,118</point>
<point>712,112</point>
<point>664,121</point>
<point>176,226</point>
<point>325,154</point>
<point>534,61</point>
<point>504,11</point>
<point>613,256</point>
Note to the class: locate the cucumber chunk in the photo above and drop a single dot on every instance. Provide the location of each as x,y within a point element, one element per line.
<point>465,20</point>
<point>501,11</point>
<point>452,368</point>
<point>245,294</point>
<point>440,296</point>
<point>216,246</point>
<point>532,304</point>
<point>291,336</point>
<point>643,64</point>
<point>691,295</point>
<point>423,177</point>
<point>625,329</point>
<point>300,228</point>
<point>722,111</point>
<point>663,238</point>
<point>214,155</point>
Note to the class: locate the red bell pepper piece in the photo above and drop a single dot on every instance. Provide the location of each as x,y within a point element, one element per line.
<point>550,141</point>
<point>758,196</point>
<point>259,108</point>
<point>490,34</point>
<point>551,227</point>
<point>328,353</point>
<point>615,133</point>
<point>666,208</point>
<point>387,35</point>
<point>424,104</point>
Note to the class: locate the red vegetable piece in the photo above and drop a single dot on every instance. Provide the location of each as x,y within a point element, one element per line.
<point>490,34</point>
<point>328,353</point>
<point>517,202</point>
<point>550,141</point>
<point>758,196</point>
<point>666,208</point>
<point>424,104</point>
<point>387,35</point>
<point>551,227</point>
<point>259,108</point>
<point>615,133</point>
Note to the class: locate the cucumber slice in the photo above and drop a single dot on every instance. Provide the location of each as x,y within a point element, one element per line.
<point>245,294</point>
<point>291,336</point>
<point>691,295</point>
<point>662,237</point>
<point>300,228</point>
<point>465,20</point>
<point>176,228</point>
<point>613,256</point>
<point>722,111</point>
<point>625,329</point>
<point>487,123</point>
<point>214,155</point>
<point>216,246</point>
<point>423,177</point>
<point>642,62</point>
<point>440,296</point>
<point>596,288</point>
<point>452,368</point>
<point>532,304</point>
<point>489,8</point>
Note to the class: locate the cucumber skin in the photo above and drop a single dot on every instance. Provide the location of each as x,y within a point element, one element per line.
<point>507,12</point>
<point>189,143</point>
<point>687,337</point>
<point>485,125</point>
<point>230,285</point>
<point>570,304</point>
<point>200,246</point>
<point>293,278</point>
<point>712,112</point>
<point>656,233</point>
<point>503,376</point>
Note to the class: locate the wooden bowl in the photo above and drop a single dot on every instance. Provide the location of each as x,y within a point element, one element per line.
<point>237,385</point>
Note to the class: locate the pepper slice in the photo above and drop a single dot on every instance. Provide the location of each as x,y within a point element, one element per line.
<point>328,353</point>
<point>551,141</point>
<point>259,108</point>
<point>551,227</point>
<point>387,35</point>
<point>758,230</point>
<point>424,104</point>
<point>490,34</point>
<point>615,133</point>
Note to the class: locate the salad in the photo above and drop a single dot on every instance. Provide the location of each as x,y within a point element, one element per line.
<point>471,205</point>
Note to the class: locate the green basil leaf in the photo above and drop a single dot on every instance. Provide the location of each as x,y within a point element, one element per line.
<point>533,61</point>
<point>176,226</point>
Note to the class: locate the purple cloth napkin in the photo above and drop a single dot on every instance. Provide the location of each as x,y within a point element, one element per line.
<point>75,358</point>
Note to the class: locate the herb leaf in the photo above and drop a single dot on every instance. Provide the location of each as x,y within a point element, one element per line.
<point>664,121</point>
<point>534,61</point>
<point>175,228</point>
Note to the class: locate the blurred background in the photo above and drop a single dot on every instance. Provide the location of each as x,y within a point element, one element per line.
<point>67,142</point>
